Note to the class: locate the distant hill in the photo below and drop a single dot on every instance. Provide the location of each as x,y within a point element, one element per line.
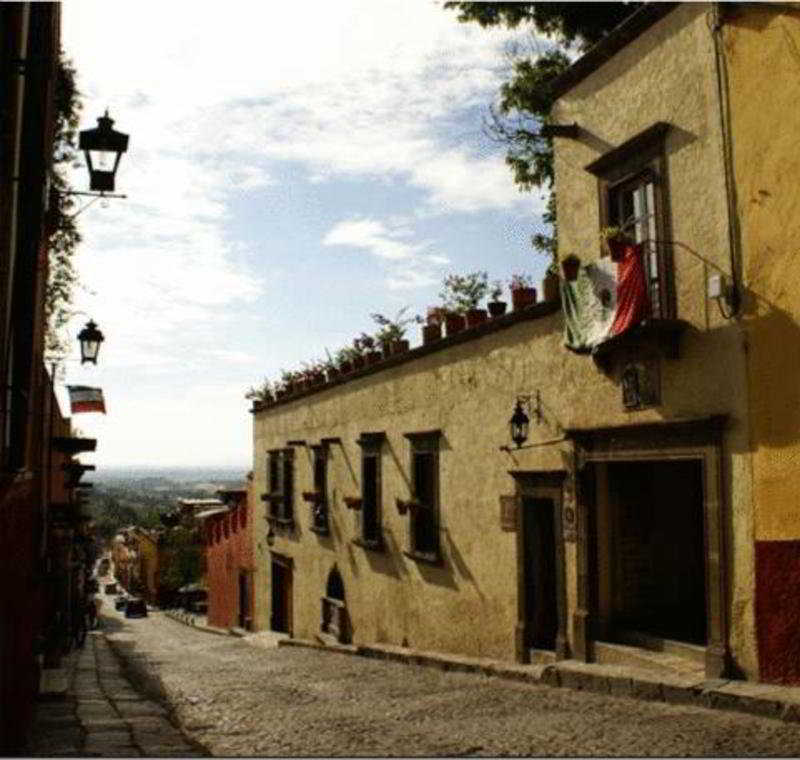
<point>155,478</point>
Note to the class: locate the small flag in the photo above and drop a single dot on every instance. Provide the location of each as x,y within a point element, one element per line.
<point>606,299</point>
<point>85,399</point>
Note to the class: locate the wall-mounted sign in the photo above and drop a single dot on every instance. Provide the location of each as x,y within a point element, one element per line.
<point>508,513</point>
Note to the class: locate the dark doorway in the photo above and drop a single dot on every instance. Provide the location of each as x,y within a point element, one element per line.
<point>651,541</point>
<point>281,616</point>
<point>539,573</point>
<point>244,601</point>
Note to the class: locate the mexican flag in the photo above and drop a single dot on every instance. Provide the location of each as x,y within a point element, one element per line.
<point>606,299</point>
<point>82,398</point>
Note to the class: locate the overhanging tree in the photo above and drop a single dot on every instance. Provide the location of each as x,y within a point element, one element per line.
<point>526,98</point>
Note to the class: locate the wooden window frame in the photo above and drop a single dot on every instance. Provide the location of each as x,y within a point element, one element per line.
<point>426,444</point>
<point>371,451</point>
<point>320,519</point>
<point>280,481</point>
<point>639,161</point>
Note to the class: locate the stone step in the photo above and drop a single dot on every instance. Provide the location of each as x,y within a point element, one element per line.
<point>657,663</point>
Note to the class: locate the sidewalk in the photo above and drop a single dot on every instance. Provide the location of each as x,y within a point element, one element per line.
<point>88,708</point>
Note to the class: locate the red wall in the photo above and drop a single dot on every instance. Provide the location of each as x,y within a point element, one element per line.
<point>778,610</point>
<point>229,551</point>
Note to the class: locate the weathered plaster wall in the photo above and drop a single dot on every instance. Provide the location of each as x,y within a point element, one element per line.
<point>667,74</point>
<point>467,391</point>
<point>762,51</point>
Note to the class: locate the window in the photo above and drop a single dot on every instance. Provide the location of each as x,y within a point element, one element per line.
<point>424,512</point>
<point>319,502</point>
<point>280,477</point>
<point>371,534</point>
<point>633,195</point>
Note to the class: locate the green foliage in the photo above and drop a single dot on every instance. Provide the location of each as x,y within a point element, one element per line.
<point>263,392</point>
<point>63,236</point>
<point>527,97</point>
<point>393,329</point>
<point>187,558</point>
<point>463,292</point>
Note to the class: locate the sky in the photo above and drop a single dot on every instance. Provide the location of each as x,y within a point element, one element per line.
<point>292,169</point>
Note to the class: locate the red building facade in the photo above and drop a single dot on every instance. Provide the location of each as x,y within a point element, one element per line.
<point>229,561</point>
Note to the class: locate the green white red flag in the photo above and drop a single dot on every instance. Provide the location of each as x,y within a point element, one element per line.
<point>82,398</point>
<point>606,299</point>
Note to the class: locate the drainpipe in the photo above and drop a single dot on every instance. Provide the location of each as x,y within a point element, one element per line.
<point>734,295</point>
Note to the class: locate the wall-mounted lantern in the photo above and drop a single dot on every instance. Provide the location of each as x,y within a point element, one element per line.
<point>103,148</point>
<point>90,339</point>
<point>520,421</point>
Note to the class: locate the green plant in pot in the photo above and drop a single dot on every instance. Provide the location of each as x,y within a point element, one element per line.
<point>391,334</point>
<point>330,367</point>
<point>261,395</point>
<point>432,327</point>
<point>461,294</point>
<point>496,307</point>
<point>344,360</point>
<point>523,294</point>
<point>370,347</point>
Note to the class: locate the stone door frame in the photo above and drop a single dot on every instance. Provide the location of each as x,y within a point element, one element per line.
<point>699,439</point>
<point>547,484</point>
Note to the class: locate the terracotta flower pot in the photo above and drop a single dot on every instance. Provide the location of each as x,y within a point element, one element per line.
<point>476,317</point>
<point>359,362</point>
<point>496,308</point>
<point>400,346</point>
<point>454,324</point>
<point>522,298</point>
<point>550,285</point>
<point>332,374</point>
<point>346,367</point>
<point>373,357</point>
<point>431,333</point>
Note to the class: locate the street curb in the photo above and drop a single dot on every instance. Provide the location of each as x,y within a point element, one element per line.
<point>188,619</point>
<point>762,700</point>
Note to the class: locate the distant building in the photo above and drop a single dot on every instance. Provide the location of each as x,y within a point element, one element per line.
<point>228,532</point>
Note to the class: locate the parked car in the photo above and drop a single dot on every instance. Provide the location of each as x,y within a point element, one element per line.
<point>120,602</point>
<point>111,588</point>
<point>135,608</point>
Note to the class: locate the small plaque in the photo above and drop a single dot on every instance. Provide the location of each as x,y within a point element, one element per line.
<point>508,513</point>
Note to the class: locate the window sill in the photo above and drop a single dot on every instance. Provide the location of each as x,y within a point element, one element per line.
<point>427,558</point>
<point>281,522</point>
<point>373,545</point>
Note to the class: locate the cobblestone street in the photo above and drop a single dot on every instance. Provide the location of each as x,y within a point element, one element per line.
<point>250,697</point>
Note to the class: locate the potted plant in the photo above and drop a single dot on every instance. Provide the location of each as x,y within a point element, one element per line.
<point>288,380</point>
<point>615,242</point>
<point>432,329</point>
<point>454,323</point>
<point>570,267</point>
<point>344,360</point>
<point>461,294</point>
<point>523,294</point>
<point>551,284</point>
<point>496,307</point>
<point>261,396</point>
<point>312,496</point>
<point>369,347</point>
<point>357,355</point>
<point>330,367</point>
<point>391,334</point>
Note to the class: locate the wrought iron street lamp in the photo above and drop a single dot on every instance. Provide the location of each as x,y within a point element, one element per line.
<point>103,148</point>
<point>519,424</point>
<point>90,339</point>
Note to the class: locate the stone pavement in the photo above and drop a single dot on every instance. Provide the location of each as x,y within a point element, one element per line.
<point>680,688</point>
<point>90,709</point>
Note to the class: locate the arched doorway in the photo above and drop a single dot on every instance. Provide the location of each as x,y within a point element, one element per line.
<point>335,626</point>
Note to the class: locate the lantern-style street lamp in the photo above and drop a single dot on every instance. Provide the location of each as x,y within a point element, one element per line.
<point>103,148</point>
<point>519,424</point>
<point>90,339</point>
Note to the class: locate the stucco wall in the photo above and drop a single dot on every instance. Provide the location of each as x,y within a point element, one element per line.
<point>667,75</point>
<point>762,51</point>
<point>467,391</point>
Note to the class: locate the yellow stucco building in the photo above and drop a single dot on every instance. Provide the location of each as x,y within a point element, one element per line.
<point>630,521</point>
